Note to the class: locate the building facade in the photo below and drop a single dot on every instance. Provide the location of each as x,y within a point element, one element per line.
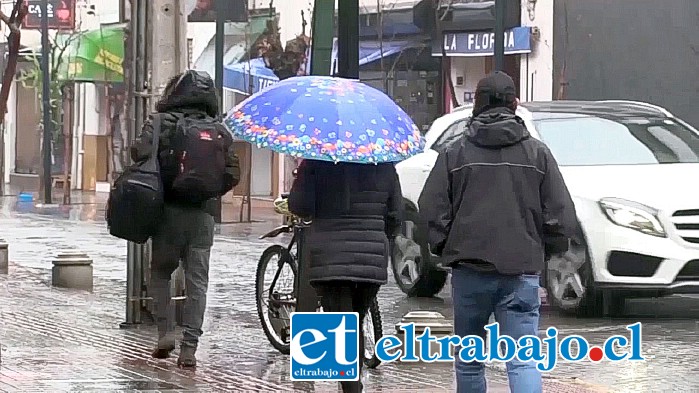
<point>22,134</point>
<point>640,50</point>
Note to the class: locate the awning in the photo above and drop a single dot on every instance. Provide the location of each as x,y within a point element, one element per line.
<point>248,76</point>
<point>253,75</point>
<point>462,15</point>
<point>371,51</point>
<point>95,56</point>
<point>237,39</point>
<point>207,61</point>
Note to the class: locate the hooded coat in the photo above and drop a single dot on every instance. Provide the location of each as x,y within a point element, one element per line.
<point>191,94</point>
<point>496,197</point>
<point>355,209</point>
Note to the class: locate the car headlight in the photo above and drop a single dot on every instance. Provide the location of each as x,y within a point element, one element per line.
<point>633,215</point>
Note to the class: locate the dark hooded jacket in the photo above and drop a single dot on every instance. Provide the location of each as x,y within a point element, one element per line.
<point>355,209</point>
<point>193,94</point>
<point>495,198</point>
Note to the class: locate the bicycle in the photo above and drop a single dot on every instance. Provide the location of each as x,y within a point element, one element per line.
<point>281,303</point>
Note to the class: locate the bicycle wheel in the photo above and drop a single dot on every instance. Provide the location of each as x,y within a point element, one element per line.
<point>276,302</point>
<point>373,331</point>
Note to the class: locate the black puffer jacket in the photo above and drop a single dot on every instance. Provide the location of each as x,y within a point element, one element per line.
<point>355,209</point>
<point>192,94</point>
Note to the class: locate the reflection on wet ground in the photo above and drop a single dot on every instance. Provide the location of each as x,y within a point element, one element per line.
<point>670,332</point>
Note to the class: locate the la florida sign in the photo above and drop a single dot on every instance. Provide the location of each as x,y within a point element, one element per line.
<point>467,44</point>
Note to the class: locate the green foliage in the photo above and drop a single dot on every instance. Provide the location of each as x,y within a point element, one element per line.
<point>33,77</point>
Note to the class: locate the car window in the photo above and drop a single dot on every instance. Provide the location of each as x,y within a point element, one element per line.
<point>454,131</point>
<point>590,140</point>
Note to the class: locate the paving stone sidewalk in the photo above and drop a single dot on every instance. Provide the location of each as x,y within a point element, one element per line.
<point>56,340</point>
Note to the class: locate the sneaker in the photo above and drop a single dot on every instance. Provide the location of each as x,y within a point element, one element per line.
<point>187,358</point>
<point>165,345</point>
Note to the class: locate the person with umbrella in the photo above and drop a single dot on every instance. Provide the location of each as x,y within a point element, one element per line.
<point>356,212</point>
<point>349,135</point>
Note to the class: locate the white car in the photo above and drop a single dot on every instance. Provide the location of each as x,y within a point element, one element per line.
<point>632,170</point>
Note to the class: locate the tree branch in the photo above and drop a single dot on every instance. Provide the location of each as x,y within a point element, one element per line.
<point>5,19</point>
<point>10,21</point>
<point>19,11</point>
<point>57,58</point>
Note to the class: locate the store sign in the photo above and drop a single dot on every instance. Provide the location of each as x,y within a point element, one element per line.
<point>517,40</point>
<point>61,14</point>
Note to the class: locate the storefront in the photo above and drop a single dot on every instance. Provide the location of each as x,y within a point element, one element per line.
<point>241,80</point>
<point>469,57</point>
<point>463,39</point>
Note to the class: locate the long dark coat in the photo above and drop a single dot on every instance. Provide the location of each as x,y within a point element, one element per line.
<point>356,209</point>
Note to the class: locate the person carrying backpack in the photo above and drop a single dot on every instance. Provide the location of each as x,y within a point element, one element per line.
<point>197,163</point>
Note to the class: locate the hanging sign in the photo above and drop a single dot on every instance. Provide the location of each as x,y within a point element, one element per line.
<point>61,14</point>
<point>517,41</point>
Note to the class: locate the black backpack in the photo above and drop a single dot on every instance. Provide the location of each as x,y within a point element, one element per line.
<point>198,150</point>
<point>135,204</point>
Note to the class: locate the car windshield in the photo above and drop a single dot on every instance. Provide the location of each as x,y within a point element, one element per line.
<point>588,140</point>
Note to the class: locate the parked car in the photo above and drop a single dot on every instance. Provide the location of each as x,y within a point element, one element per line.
<point>631,168</point>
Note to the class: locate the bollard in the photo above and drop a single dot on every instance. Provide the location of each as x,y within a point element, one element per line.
<point>72,269</point>
<point>438,324</point>
<point>4,257</point>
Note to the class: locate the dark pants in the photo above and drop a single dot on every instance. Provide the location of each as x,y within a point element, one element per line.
<point>185,234</point>
<point>346,296</point>
<point>515,302</point>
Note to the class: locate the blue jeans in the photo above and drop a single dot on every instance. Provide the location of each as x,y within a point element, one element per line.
<point>515,302</point>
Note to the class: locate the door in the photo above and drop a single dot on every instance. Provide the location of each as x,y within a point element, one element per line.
<point>28,138</point>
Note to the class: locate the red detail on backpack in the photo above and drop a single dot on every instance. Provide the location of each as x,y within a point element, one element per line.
<point>205,136</point>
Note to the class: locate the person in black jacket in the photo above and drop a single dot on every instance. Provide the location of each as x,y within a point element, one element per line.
<point>494,203</point>
<point>187,230</point>
<point>355,211</point>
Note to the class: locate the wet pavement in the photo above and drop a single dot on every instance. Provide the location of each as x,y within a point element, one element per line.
<point>62,340</point>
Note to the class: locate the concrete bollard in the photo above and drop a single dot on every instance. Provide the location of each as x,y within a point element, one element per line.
<point>438,324</point>
<point>72,269</point>
<point>4,257</point>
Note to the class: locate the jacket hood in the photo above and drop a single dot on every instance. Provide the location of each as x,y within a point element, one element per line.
<point>496,128</point>
<point>190,91</point>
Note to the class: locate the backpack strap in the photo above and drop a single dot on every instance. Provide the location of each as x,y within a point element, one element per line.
<point>155,144</point>
<point>180,120</point>
<point>153,161</point>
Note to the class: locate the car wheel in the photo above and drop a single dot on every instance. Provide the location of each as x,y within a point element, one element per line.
<point>569,282</point>
<point>571,286</point>
<point>411,261</point>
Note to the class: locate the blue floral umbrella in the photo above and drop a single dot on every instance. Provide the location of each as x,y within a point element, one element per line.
<point>327,118</point>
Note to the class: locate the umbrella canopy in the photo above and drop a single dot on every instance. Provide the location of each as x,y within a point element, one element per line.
<point>95,56</point>
<point>327,118</point>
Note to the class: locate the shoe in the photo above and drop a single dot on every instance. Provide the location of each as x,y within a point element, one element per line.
<point>187,358</point>
<point>165,345</point>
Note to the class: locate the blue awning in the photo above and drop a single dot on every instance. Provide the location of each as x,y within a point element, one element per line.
<point>371,51</point>
<point>248,76</point>
<point>243,76</point>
